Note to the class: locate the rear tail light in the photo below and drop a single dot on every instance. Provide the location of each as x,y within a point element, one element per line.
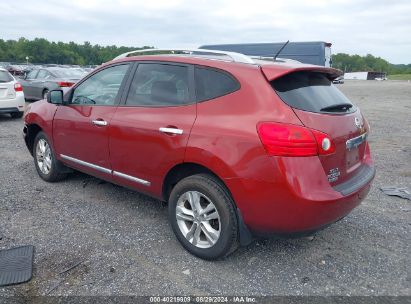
<point>324,142</point>
<point>292,140</point>
<point>65,84</point>
<point>18,87</point>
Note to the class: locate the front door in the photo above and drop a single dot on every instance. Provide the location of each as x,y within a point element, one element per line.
<point>81,128</point>
<point>149,132</point>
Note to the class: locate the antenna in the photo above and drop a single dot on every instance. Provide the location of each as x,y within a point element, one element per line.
<point>278,53</point>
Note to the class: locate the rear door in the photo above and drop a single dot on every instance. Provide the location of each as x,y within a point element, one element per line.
<point>150,130</point>
<point>321,106</point>
<point>81,128</point>
<point>38,84</point>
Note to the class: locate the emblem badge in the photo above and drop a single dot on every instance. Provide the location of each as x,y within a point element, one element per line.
<point>333,175</point>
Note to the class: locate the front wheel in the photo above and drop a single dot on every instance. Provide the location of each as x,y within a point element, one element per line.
<point>47,165</point>
<point>203,218</point>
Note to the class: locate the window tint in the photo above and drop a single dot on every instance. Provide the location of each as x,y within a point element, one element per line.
<point>159,85</point>
<point>212,83</point>
<point>311,91</point>
<point>101,88</point>
<point>5,77</point>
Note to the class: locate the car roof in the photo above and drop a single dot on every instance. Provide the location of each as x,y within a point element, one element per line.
<point>272,69</point>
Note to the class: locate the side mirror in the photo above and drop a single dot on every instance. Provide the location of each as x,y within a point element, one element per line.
<point>55,97</point>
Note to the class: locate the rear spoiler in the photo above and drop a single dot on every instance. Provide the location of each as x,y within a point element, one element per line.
<point>272,72</point>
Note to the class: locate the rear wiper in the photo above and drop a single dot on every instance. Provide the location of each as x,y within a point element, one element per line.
<point>337,107</point>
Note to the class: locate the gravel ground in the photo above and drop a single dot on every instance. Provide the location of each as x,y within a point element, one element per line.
<point>123,244</point>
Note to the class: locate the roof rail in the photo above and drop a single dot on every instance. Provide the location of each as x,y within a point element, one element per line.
<point>278,59</point>
<point>236,57</point>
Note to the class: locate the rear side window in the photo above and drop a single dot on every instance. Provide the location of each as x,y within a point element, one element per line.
<point>212,83</point>
<point>311,91</point>
<point>5,77</point>
<point>159,85</point>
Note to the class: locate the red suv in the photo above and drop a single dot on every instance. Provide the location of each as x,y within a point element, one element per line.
<point>238,147</point>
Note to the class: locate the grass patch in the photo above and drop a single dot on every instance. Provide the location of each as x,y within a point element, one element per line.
<point>400,77</point>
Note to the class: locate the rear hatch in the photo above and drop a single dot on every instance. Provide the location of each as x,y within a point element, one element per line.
<point>321,106</point>
<point>6,86</point>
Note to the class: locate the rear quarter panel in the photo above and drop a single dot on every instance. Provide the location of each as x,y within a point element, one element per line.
<point>224,137</point>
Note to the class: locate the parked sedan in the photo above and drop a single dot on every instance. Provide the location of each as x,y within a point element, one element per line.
<point>16,70</point>
<point>11,95</point>
<point>37,83</point>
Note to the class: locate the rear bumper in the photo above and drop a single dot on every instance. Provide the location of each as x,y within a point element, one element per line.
<point>297,198</point>
<point>9,110</point>
<point>363,177</point>
<point>10,105</point>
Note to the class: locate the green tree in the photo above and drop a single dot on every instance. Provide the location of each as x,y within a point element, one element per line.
<point>356,63</point>
<point>41,50</point>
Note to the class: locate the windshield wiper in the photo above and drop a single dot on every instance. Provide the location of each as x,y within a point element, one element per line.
<point>337,107</point>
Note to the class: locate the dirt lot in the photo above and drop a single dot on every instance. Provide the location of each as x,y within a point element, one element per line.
<point>125,246</point>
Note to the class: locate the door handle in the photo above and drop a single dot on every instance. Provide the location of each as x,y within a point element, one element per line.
<point>100,122</point>
<point>171,131</point>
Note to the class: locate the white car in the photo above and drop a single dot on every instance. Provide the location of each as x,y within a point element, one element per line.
<point>11,95</point>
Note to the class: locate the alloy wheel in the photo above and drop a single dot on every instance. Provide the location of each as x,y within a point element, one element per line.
<point>43,156</point>
<point>198,219</point>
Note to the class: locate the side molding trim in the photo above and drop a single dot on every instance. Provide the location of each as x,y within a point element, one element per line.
<point>105,170</point>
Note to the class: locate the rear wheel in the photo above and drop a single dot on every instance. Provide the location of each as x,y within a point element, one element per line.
<point>203,217</point>
<point>47,165</point>
<point>16,115</point>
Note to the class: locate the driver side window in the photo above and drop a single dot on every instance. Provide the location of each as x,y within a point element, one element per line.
<point>101,88</point>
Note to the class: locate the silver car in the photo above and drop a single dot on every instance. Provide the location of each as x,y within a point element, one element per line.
<point>37,83</point>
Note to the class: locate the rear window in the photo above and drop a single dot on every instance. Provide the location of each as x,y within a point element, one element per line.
<point>212,83</point>
<point>311,91</point>
<point>5,76</point>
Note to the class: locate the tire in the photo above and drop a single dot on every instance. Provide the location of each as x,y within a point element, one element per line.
<point>47,166</point>
<point>16,114</point>
<point>203,217</point>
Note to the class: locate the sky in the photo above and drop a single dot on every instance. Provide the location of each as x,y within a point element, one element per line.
<point>378,27</point>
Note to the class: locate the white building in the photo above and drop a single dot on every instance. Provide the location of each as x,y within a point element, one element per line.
<point>356,75</point>
<point>364,75</point>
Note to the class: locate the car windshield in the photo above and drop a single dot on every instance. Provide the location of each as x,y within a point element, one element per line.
<point>67,73</point>
<point>5,76</point>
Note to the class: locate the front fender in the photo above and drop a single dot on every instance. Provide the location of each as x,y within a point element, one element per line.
<point>41,113</point>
